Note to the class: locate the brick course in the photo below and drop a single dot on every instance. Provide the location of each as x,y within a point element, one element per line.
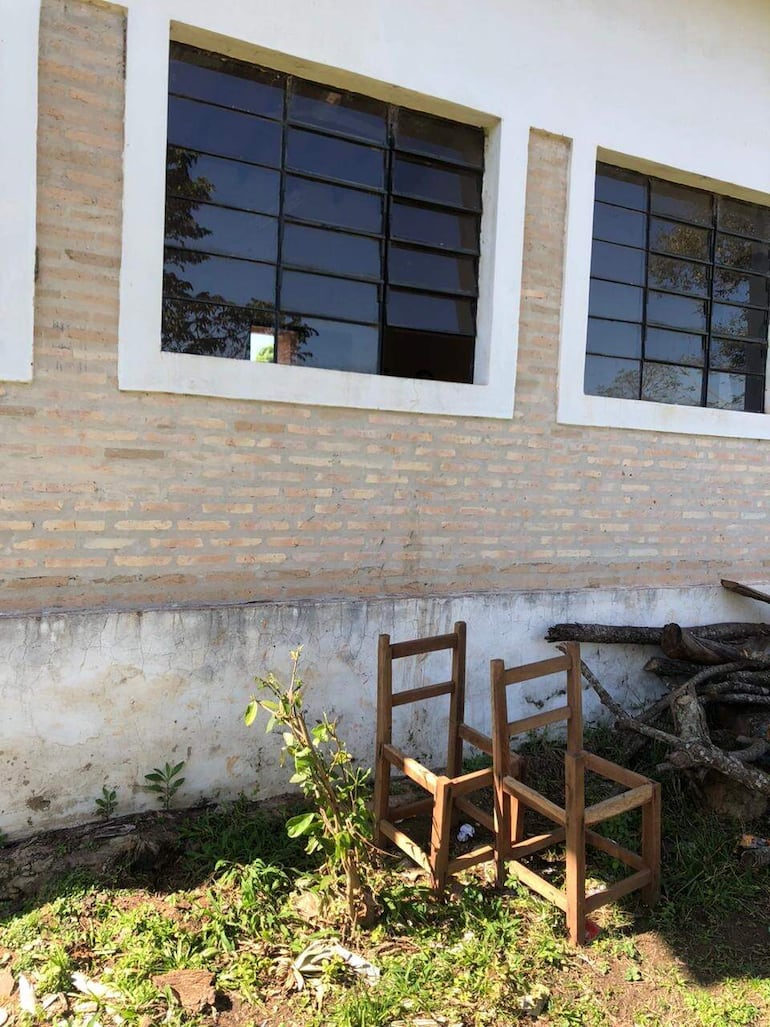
<point>131,500</point>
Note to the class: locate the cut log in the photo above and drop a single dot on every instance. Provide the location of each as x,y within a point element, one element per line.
<point>665,667</point>
<point>681,644</point>
<point>604,634</point>
<point>628,634</point>
<point>745,590</point>
<point>687,753</point>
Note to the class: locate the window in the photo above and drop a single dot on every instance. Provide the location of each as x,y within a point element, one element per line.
<point>680,290</point>
<point>313,226</point>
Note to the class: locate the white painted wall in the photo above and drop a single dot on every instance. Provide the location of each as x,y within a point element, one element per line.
<point>96,699</point>
<point>19,25</point>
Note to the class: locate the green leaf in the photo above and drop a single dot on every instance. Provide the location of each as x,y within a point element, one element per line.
<point>251,713</point>
<point>154,776</point>
<point>299,825</point>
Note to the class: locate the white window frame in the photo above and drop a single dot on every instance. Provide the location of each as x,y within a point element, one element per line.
<point>143,366</point>
<point>574,406</point>
<point>19,32</point>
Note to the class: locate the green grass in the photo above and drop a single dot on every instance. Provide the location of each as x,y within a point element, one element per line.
<point>702,958</point>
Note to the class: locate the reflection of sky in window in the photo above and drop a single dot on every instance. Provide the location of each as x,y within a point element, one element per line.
<point>676,311</point>
<point>233,281</point>
<point>726,391</point>
<point>609,376</point>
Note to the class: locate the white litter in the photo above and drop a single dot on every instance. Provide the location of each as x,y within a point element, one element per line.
<point>465,833</point>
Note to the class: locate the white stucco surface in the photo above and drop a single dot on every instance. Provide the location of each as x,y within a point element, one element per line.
<point>93,699</point>
<point>19,26</point>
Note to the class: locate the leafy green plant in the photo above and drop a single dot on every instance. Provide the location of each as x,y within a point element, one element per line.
<point>340,824</point>
<point>107,802</point>
<point>165,782</point>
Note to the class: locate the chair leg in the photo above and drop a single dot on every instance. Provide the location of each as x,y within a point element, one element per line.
<point>381,799</point>
<point>440,833</point>
<point>651,845</point>
<point>503,834</point>
<point>576,849</point>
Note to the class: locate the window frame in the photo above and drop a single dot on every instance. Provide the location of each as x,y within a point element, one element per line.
<point>575,407</point>
<point>142,366</point>
<point>19,35</point>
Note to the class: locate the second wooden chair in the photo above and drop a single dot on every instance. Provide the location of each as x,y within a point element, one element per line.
<point>575,822</point>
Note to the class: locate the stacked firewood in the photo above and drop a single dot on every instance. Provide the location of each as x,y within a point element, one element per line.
<point>715,713</point>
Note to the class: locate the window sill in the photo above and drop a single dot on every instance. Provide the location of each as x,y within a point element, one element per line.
<point>606,412</point>
<point>189,374</point>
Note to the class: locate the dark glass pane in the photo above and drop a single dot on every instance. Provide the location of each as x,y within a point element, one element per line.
<point>198,126</point>
<point>677,275</point>
<point>614,224</point>
<point>608,376</point>
<point>675,347</point>
<point>222,80</point>
<point>335,345</point>
<point>336,297</point>
<point>744,218</point>
<point>330,157</point>
<point>434,227</point>
<point>679,201</point>
<point>726,391</point>
<point>438,185</point>
<point>332,205</point>
<point>739,321</point>
<point>666,383</point>
<point>435,137</point>
<point>726,355</point>
<point>618,263</point>
<point>679,240</point>
<point>740,287</point>
<point>607,299</point>
<point>626,188</point>
<point>319,250</point>
<point>431,313</point>
<point>338,111</point>
<point>428,355</point>
<point>222,181</point>
<point>676,311</point>
<point>427,270</point>
<point>614,338</point>
<point>233,233</point>
<point>197,276</point>
<point>209,329</point>
<point>742,253</point>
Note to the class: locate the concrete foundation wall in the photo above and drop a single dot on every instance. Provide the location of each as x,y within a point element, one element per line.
<point>93,699</point>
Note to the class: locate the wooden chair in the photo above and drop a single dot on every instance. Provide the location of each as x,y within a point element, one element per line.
<point>575,822</point>
<point>447,792</point>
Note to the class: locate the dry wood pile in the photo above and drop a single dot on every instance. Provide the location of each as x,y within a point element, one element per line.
<point>714,717</point>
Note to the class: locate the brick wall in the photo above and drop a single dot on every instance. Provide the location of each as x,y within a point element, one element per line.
<point>126,499</point>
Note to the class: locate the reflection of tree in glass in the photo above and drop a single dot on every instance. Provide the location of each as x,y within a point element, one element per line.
<point>209,325</point>
<point>731,284</point>
<point>661,384</point>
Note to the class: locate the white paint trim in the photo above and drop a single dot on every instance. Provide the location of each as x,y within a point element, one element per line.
<point>141,364</point>
<point>19,31</point>
<point>574,406</point>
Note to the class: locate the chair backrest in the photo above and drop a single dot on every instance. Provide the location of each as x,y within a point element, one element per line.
<point>570,713</point>
<point>455,687</point>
